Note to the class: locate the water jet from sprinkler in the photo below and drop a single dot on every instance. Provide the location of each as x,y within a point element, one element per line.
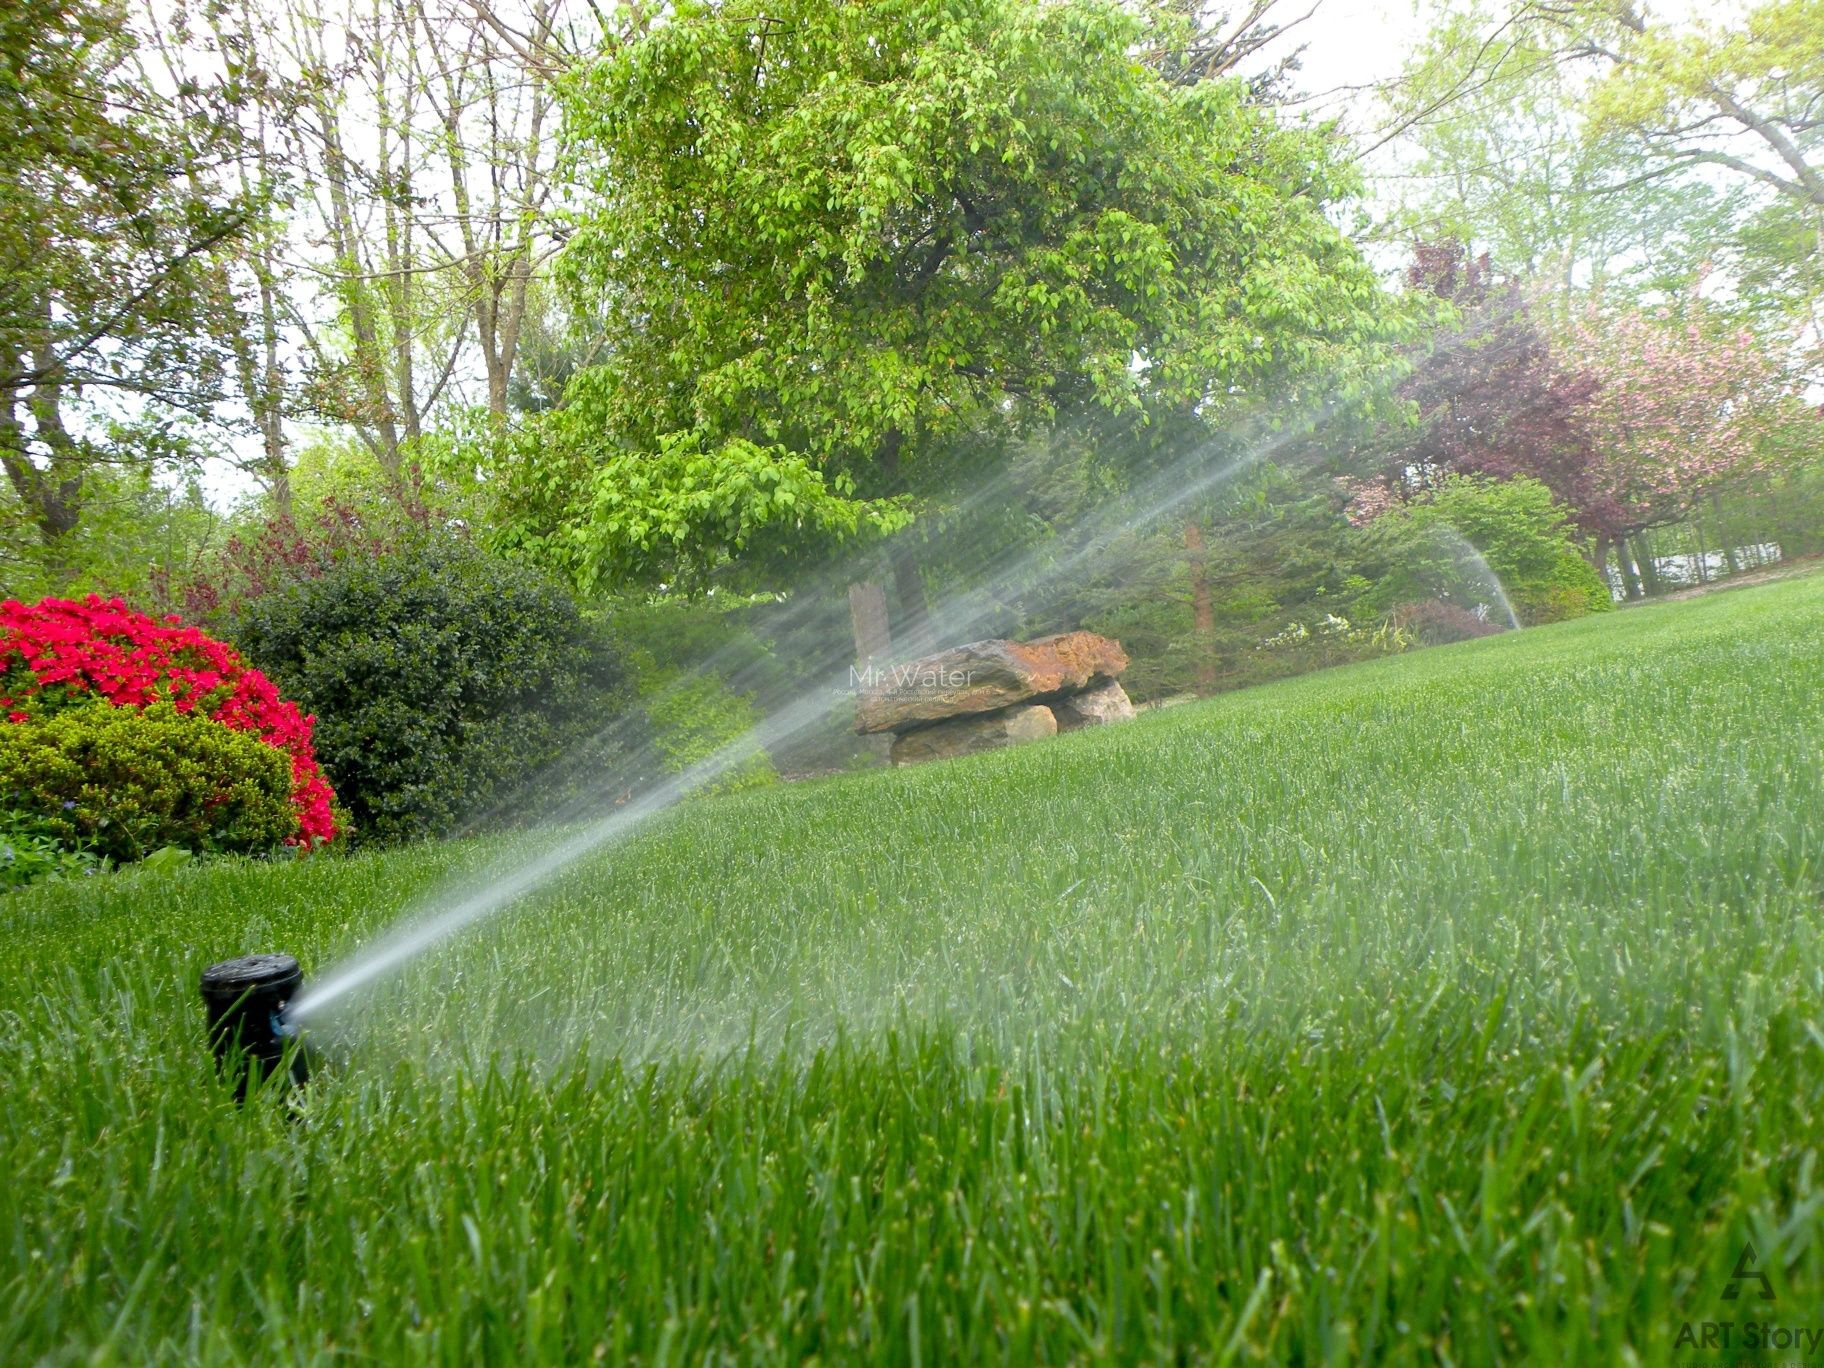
<point>245,1001</point>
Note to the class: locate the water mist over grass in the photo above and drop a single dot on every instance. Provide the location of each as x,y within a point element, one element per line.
<point>1482,982</point>
<point>997,576</point>
<point>1131,880</point>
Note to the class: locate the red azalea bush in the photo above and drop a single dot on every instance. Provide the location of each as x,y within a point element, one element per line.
<point>59,653</point>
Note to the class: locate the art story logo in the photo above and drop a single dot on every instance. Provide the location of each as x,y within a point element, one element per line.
<point>1751,1288</point>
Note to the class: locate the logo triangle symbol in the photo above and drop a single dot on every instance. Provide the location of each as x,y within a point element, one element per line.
<point>1746,1271</point>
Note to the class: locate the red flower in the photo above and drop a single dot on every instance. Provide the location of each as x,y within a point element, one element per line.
<point>57,650</point>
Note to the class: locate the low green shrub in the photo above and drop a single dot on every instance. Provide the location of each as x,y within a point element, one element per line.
<point>28,853</point>
<point>121,783</point>
<point>1430,548</point>
<point>443,678</point>
<point>693,716</point>
<point>1432,622</point>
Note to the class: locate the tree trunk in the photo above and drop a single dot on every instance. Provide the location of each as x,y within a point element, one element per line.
<point>902,555</point>
<point>256,340</point>
<point>262,380</point>
<point>499,271</point>
<point>909,585</point>
<point>271,408</point>
<point>52,494</point>
<point>29,483</point>
<point>1630,577</point>
<point>1599,558</point>
<point>1722,529</point>
<point>1643,561</point>
<point>377,420</point>
<point>1203,608</point>
<point>868,620</point>
<point>873,645</point>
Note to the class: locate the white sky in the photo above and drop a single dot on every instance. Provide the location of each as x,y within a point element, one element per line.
<point>1354,43</point>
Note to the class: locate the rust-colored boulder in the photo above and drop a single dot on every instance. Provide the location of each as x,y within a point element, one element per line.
<point>1097,706</point>
<point>983,676</point>
<point>967,735</point>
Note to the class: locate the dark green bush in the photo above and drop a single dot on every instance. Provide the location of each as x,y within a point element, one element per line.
<point>442,677</point>
<point>124,782</point>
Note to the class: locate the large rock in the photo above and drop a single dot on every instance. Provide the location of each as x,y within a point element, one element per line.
<point>967,735</point>
<point>983,676</point>
<point>1096,706</point>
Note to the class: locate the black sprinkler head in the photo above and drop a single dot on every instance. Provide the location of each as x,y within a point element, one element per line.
<point>245,1000</point>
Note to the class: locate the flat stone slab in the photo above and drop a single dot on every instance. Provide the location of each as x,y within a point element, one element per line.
<point>981,677</point>
<point>1096,706</point>
<point>968,735</point>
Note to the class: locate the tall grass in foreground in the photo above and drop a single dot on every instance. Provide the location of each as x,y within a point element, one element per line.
<point>1464,1006</point>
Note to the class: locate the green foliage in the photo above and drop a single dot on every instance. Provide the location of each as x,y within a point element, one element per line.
<point>125,782</point>
<point>693,716</point>
<point>29,852</point>
<point>1460,1005</point>
<point>1334,640</point>
<point>331,466</point>
<point>441,676</point>
<point>684,656</point>
<point>832,241</point>
<point>116,223</point>
<point>1277,552</point>
<point>676,510</point>
<point>1737,95</point>
<point>1429,549</point>
<point>1507,159</point>
<point>1632,147</point>
<point>144,523</point>
<point>1788,512</point>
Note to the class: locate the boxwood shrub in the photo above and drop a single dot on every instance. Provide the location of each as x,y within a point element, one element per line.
<point>124,782</point>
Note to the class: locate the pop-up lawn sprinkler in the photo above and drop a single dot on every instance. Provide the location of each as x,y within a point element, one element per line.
<point>245,1000</point>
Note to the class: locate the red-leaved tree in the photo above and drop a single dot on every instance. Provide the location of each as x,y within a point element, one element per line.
<point>283,550</point>
<point>1493,396</point>
<point>1629,417</point>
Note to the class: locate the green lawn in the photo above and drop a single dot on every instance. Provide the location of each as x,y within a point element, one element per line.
<point>1464,1006</point>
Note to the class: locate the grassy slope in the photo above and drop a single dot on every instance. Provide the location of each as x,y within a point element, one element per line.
<point>1465,1004</point>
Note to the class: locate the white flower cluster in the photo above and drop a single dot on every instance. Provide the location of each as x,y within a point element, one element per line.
<point>1333,627</point>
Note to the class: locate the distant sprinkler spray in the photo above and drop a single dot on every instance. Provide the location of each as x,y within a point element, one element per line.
<point>245,1000</point>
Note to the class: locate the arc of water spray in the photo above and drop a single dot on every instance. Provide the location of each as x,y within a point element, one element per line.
<point>951,620</point>
<point>1467,553</point>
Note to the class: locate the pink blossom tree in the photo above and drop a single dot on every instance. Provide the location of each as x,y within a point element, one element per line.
<point>1678,417</point>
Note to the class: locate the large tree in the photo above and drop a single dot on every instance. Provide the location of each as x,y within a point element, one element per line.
<point>1740,99</point>
<point>422,140</point>
<point>832,240</point>
<point>1741,96</point>
<point>1603,142</point>
<point>1631,417</point>
<point>117,206</point>
<point>1498,149</point>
